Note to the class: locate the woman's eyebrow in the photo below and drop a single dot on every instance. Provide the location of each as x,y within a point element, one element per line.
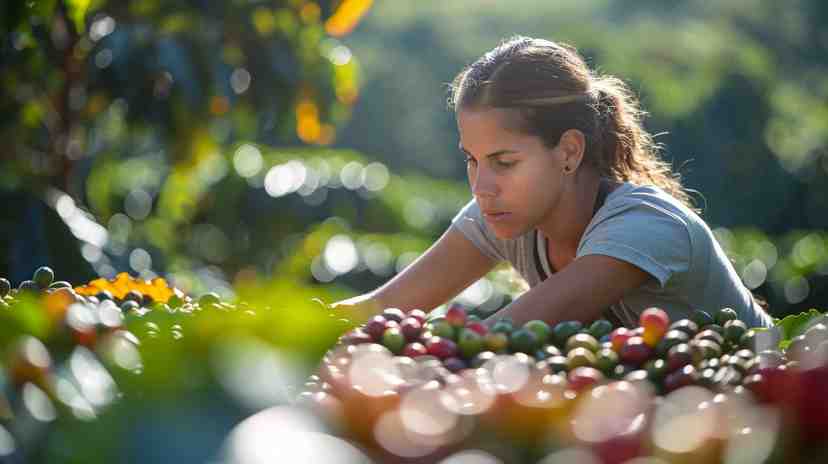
<point>494,153</point>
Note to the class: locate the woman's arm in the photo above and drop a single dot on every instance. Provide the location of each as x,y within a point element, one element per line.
<point>580,291</point>
<point>451,264</point>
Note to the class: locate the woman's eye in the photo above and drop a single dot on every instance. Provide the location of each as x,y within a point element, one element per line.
<point>505,164</point>
<point>470,160</point>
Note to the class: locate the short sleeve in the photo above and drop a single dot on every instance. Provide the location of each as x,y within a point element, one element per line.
<point>646,235</point>
<point>470,222</point>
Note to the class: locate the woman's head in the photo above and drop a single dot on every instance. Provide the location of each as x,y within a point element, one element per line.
<point>550,91</point>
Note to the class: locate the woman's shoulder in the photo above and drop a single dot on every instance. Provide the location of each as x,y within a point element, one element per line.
<point>628,196</point>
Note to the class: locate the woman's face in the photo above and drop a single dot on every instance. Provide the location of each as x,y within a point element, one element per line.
<point>516,180</point>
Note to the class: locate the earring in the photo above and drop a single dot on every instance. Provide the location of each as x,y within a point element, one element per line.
<point>566,168</point>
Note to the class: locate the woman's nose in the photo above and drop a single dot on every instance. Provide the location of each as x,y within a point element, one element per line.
<point>484,183</point>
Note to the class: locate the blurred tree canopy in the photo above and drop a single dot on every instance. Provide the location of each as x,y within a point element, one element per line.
<point>162,133</point>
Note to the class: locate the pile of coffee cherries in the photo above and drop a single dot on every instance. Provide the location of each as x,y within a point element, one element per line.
<point>412,387</point>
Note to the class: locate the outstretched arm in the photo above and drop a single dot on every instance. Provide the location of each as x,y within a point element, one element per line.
<point>450,265</point>
<point>580,291</point>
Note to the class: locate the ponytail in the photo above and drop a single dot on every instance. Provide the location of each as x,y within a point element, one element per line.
<point>628,152</point>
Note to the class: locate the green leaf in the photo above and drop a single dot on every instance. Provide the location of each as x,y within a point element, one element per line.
<point>796,324</point>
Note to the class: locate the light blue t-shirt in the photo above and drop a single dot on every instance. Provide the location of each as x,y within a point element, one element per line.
<point>647,227</point>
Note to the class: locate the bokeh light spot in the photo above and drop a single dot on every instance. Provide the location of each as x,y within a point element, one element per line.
<point>390,433</point>
<point>471,457</point>
<point>341,254</point>
<point>285,178</point>
<point>103,58</point>
<point>38,404</point>
<point>476,293</point>
<point>140,260</point>
<point>240,80</point>
<point>287,434</point>
<point>754,274</point>
<point>423,413</point>
<point>351,175</point>
<point>247,160</point>
<point>796,289</point>
<point>138,204</point>
<point>340,55</point>
<point>101,28</point>
<point>679,425</point>
<point>378,258</point>
<point>419,213</point>
<point>376,176</point>
<point>405,259</point>
<point>7,445</point>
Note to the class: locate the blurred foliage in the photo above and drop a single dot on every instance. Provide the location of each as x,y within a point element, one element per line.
<point>82,382</point>
<point>790,271</point>
<point>161,136</point>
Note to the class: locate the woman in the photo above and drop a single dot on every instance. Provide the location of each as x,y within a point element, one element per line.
<point>569,189</point>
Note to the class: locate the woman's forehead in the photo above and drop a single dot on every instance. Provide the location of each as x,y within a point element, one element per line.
<point>505,119</point>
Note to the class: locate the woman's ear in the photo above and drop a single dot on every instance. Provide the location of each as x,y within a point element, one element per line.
<point>572,145</point>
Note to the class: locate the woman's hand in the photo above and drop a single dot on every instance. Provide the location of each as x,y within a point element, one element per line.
<point>358,309</point>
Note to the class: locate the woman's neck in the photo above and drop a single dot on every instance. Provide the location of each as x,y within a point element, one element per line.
<point>565,227</point>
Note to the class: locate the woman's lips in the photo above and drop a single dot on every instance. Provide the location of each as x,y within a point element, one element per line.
<point>497,217</point>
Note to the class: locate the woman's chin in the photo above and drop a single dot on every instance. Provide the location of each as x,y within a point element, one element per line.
<point>506,233</point>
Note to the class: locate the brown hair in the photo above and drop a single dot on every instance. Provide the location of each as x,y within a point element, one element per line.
<point>554,90</point>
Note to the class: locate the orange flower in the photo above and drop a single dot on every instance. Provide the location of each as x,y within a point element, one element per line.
<point>123,283</point>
